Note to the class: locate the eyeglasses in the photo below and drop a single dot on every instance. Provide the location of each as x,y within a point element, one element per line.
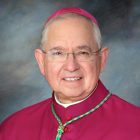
<point>61,55</point>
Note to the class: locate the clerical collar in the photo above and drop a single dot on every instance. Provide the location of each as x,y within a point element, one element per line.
<point>69,104</point>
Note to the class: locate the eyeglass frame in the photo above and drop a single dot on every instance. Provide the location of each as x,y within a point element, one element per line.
<point>66,54</point>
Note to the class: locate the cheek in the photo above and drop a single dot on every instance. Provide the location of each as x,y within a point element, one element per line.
<point>52,72</point>
<point>93,71</point>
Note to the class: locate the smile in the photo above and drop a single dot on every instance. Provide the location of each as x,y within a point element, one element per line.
<point>72,78</point>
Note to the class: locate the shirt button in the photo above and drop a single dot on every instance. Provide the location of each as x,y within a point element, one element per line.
<point>69,118</point>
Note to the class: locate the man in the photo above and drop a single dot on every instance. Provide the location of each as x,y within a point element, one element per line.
<point>71,58</point>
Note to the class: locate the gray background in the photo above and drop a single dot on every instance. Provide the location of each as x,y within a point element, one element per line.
<point>21,83</point>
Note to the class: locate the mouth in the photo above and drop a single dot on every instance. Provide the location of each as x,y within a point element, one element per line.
<point>72,78</point>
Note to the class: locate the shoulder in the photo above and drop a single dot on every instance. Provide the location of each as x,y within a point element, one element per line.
<point>123,115</point>
<point>27,114</point>
<point>124,110</point>
<point>26,122</point>
<point>123,104</point>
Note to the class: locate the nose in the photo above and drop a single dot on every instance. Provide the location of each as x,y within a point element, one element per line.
<point>71,63</point>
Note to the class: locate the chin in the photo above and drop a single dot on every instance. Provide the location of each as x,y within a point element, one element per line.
<point>77,94</point>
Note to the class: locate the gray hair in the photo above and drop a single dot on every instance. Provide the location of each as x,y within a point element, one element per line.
<point>96,29</point>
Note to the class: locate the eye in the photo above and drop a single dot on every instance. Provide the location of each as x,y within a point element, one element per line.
<point>57,53</point>
<point>84,53</point>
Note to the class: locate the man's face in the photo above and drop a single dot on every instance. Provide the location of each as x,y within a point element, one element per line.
<point>71,80</point>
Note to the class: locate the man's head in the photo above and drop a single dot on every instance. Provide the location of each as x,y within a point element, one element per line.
<point>71,58</point>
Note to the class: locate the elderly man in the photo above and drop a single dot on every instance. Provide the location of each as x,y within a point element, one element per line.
<point>71,58</point>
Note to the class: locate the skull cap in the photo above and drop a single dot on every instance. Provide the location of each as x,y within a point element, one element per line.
<point>75,10</point>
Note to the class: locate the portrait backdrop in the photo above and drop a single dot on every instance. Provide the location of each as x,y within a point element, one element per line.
<point>21,24</point>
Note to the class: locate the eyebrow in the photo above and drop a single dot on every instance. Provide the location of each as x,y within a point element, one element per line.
<point>56,48</point>
<point>80,47</point>
<point>84,47</point>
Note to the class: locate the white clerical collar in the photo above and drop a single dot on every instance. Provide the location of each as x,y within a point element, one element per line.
<point>69,104</point>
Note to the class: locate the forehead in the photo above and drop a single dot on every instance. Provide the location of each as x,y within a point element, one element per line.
<point>71,18</point>
<point>69,29</point>
<point>67,15</point>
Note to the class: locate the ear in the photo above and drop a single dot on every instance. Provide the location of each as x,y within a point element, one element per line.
<point>104,56</point>
<point>40,60</point>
